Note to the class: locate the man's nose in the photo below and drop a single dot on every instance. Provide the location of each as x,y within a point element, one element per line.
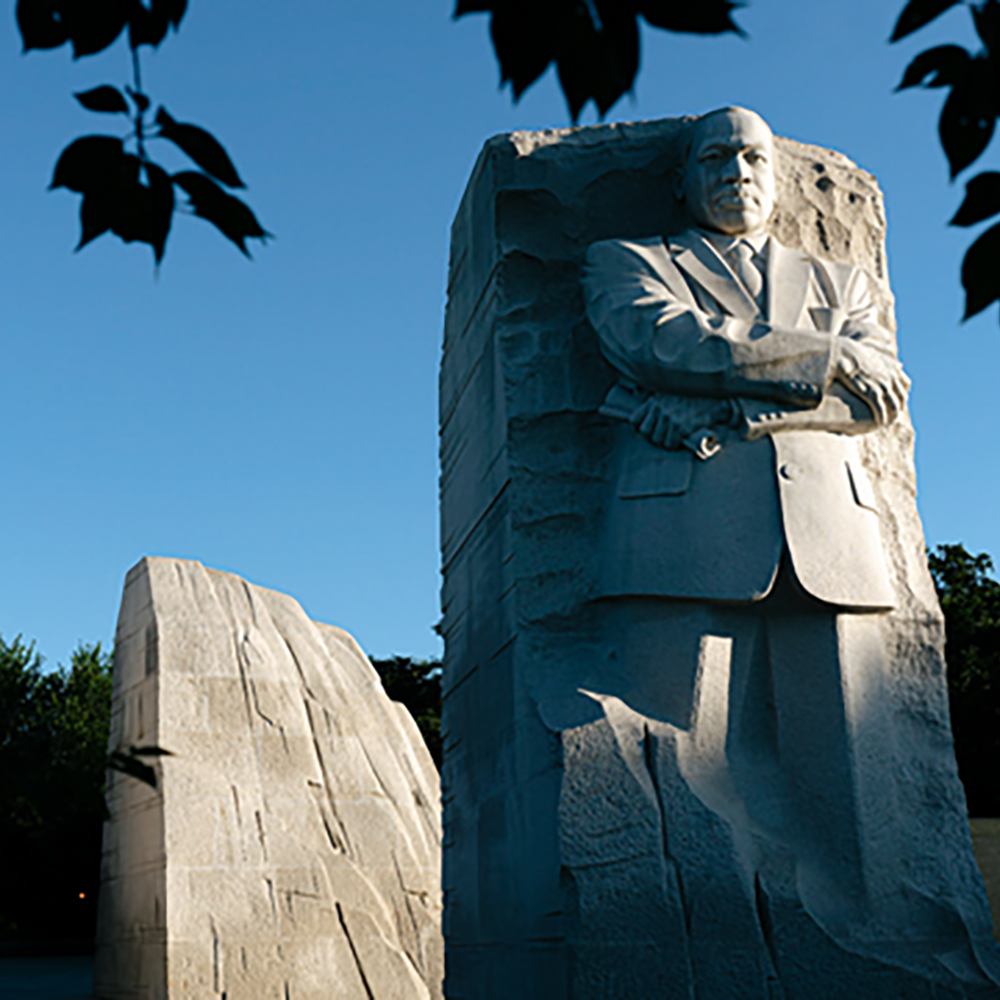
<point>735,170</point>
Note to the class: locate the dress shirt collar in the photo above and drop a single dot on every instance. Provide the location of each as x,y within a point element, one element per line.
<point>723,243</point>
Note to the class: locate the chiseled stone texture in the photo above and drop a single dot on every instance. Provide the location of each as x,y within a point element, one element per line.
<point>292,848</point>
<point>577,863</point>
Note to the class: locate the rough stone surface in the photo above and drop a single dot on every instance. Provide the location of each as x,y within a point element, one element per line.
<point>292,847</point>
<point>577,864</point>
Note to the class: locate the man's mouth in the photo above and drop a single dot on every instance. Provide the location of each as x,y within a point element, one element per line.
<point>734,198</point>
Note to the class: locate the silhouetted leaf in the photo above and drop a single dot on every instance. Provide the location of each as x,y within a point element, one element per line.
<point>594,43</point>
<point>702,17</point>
<point>148,23</point>
<point>987,20</point>
<point>115,198</point>
<point>96,211</point>
<point>104,190</point>
<point>134,768</point>
<point>141,100</point>
<point>980,273</point>
<point>945,65</point>
<point>106,98</point>
<point>147,26</point>
<point>85,163</point>
<point>41,24</point>
<point>201,146</point>
<point>144,212</point>
<point>175,10</point>
<point>93,25</point>
<point>968,117</point>
<point>597,61</point>
<point>524,36</point>
<point>982,199</point>
<point>472,7</point>
<point>229,215</point>
<point>916,14</point>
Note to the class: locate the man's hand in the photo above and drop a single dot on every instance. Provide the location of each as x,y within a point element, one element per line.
<point>873,376</point>
<point>667,420</point>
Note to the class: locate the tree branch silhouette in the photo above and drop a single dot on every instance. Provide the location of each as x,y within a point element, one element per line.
<point>124,191</point>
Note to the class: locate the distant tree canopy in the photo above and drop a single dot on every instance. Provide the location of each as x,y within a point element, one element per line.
<point>417,685</point>
<point>54,748</point>
<point>53,752</point>
<point>970,599</point>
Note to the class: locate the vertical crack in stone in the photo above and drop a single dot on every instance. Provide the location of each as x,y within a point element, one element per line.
<point>216,958</point>
<point>343,842</point>
<point>650,762</point>
<point>418,965</point>
<point>244,683</point>
<point>260,833</point>
<point>251,605</point>
<point>248,684</point>
<point>236,804</point>
<point>669,862</point>
<point>378,777</point>
<point>775,990</point>
<point>298,667</point>
<point>354,952</point>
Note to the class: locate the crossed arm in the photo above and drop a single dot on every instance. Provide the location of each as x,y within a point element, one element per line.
<point>651,329</point>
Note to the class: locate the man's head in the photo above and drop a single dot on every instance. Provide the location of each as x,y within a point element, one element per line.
<point>727,179</point>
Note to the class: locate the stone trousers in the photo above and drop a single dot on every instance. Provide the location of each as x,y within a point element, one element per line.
<point>780,722</point>
<point>743,751</point>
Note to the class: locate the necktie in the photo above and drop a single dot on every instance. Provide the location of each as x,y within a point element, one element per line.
<point>741,256</point>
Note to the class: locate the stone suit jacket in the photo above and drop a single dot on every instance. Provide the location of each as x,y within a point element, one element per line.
<point>673,319</point>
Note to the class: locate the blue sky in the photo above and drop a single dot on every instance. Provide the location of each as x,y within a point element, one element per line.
<point>278,418</point>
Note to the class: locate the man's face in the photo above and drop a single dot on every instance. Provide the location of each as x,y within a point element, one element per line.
<point>728,180</point>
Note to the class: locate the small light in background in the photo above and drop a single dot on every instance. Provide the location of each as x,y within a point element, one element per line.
<point>83,895</point>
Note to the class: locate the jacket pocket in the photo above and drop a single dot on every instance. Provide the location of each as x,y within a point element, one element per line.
<point>649,471</point>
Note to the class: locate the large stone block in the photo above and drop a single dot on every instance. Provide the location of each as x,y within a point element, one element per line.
<point>291,848</point>
<point>585,856</point>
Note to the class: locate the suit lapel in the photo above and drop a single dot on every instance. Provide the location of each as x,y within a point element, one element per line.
<point>694,255</point>
<point>789,275</point>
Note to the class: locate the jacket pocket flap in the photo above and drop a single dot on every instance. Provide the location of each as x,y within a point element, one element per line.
<point>864,495</point>
<point>654,472</point>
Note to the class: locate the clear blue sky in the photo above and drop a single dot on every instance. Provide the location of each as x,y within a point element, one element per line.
<point>278,418</point>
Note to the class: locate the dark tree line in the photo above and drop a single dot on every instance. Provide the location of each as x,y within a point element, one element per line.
<point>53,753</point>
<point>417,684</point>
<point>970,599</point>
<point>54,748</point>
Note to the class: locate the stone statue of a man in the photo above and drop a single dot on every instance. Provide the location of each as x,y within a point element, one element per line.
<point>743,554</point>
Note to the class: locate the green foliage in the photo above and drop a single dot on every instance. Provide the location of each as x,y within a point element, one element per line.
<point>417,684</point>
<point>125,192</point>
<point>53,752</point>
<point>970,599</point>
<point>967,122</point>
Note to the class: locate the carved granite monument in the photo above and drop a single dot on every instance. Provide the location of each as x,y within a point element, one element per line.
<point>291,846</point>
<point>695,717</point>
